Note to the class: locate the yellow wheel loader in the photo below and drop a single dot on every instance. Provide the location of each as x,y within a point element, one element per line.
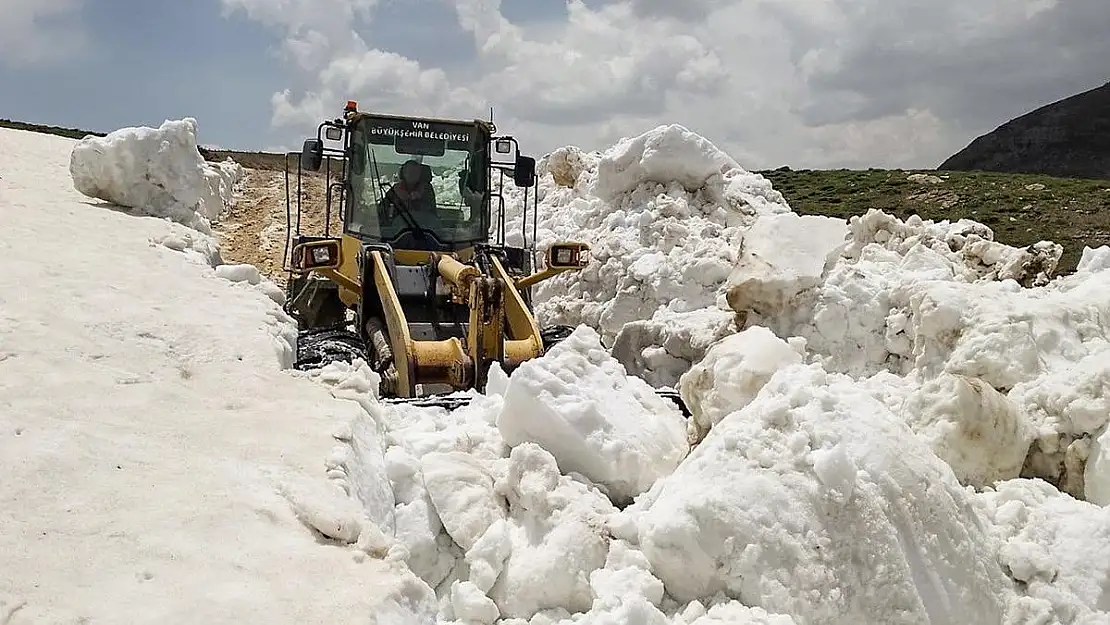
<point>417,279</point>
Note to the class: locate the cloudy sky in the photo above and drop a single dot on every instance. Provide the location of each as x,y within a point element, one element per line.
<point>805,83</point>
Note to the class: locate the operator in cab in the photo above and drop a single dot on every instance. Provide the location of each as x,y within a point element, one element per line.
<point>413,192</point>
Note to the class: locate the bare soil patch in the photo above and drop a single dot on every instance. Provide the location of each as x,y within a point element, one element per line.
<point>254,230</point>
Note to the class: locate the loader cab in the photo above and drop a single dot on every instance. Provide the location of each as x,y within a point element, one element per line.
<point>422,184</point>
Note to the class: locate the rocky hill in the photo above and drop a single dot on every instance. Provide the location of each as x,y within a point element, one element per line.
<point>1068,138</point>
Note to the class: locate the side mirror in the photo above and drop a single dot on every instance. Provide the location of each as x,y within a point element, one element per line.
<point>317,255</point>
<point>503,146</point>
<point>333,133</point>
<point>567,255</point>
<point>312,154</point>
<point>524,174</point>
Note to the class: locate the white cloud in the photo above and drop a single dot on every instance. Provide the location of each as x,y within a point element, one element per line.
<point>39,32</point>
<point>814,83</point>
<point>316,31</point>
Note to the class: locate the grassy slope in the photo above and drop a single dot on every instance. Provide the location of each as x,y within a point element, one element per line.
<point>1072,212</point>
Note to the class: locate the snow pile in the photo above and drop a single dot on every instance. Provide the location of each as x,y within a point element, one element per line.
<point>732,374</point>
<point>664,213</point>
<point>580,405</point>
<point>1046,349</point>
<point>659,350</point>
<point>158,172</point>
<point>523,529</point>
<point>785,498</point>
<point>978,431</point>
<point>985,354</point>
<point>784,258</point>
<point>856,311</point>
<point>846,380</point>
<point>1056,548</point>
<point>515,533</point>
<point>969,247</point>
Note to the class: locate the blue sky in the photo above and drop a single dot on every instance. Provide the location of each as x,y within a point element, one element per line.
<point>837,83</point>
<point>151,60</point>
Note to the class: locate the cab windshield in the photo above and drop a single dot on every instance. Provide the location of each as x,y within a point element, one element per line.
<point>412,180</point>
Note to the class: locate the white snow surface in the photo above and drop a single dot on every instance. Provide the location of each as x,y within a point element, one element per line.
<point>578,403</point>
<point>732,374</point>
<point>664,213</point>
<point>1059,548</point>
<point>869,398</point>
<point>815,500</point>
<point>159,465</point>
<point>157,171</point>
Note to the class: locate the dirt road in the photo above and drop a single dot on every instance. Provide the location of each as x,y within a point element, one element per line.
<point>253,231</point>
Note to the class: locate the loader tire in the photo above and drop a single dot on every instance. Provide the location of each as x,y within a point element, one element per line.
<point>318,348</point>
<point>553,335</point>
<point>381,356</point>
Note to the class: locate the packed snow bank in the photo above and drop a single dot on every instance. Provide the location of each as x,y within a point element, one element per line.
<point>149,450</point>
<point>158,172</point>
<point>786,499</point>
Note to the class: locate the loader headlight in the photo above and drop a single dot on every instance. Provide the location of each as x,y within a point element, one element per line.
<point>322,254</point>
<point>568,255</point>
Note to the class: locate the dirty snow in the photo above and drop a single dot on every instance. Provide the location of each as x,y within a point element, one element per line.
<point>870,399</point>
